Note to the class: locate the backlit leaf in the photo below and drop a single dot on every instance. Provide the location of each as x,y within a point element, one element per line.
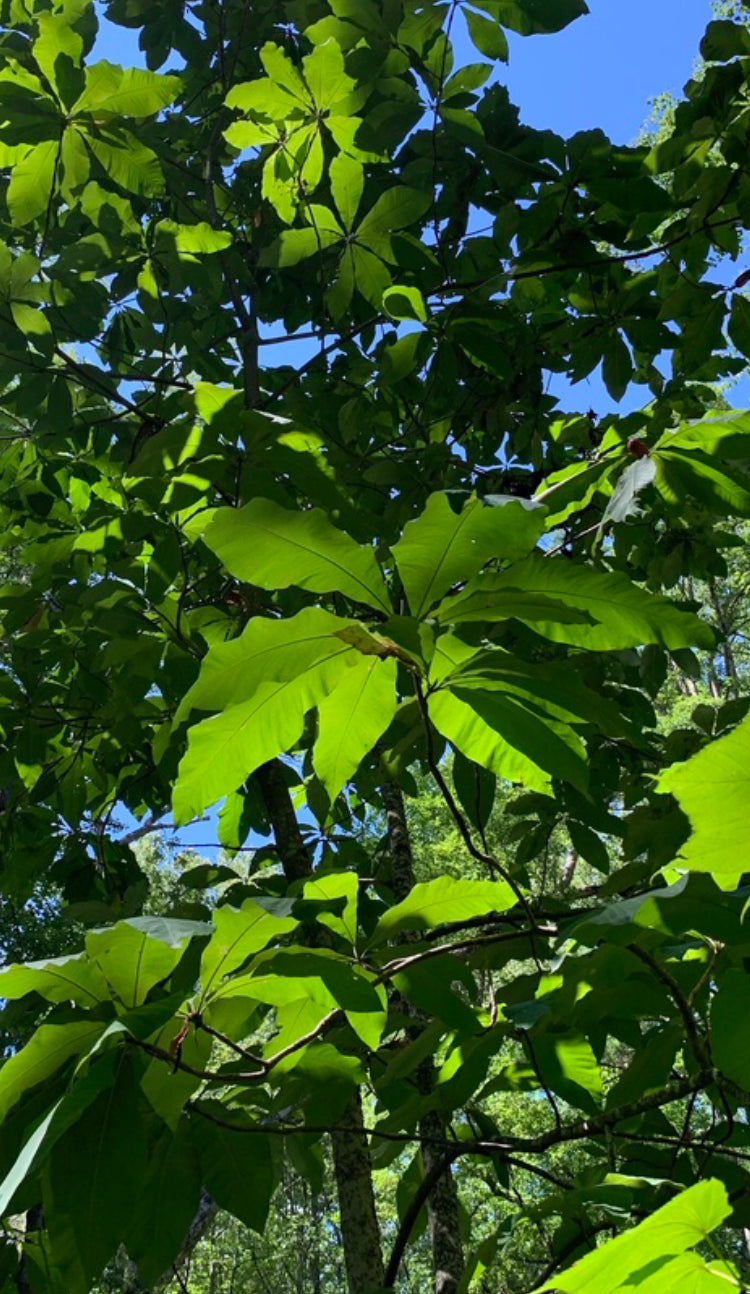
<point>275,548</point>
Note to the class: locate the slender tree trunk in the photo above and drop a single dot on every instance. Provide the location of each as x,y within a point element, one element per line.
<point>442,1204</point>
<point>360,1231</point>
<point>359,1224</point>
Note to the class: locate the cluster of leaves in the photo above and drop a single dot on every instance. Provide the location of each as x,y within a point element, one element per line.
<point>303,586</point>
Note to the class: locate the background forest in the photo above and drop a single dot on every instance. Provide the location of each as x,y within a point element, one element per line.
<point>374,734</point>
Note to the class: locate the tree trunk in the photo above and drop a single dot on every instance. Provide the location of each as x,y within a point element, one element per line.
<point>442,1204</point>
<point>360,1231</point>
<point>359,1224</point>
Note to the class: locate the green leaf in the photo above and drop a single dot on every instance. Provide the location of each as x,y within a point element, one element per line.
<point>402,302</point>
<point>295,245</point>
<point>130,163</point>
<point>276,548</point>
<point>683,1222</point>
<point>739,324</point>
<point>167,1205</point>
<point>695,475</point>
<point>135,955</point>
<point>568,1067</point>
<point>443,547</point>
<point>506,737</point>
<point>326,76</point>
<point>192,240</point>
<point>238,934</point>
<point>622,614</point>
<point>47,1049</point>
<point>724,40</point>
<point>590,846</point>
<point>63,1115</point>
<point>223,751</point>
<point>57,41</point>
<point>730,1043</point>
<point>95,1175</point>
<point>617,368</point>
<point>532,17</point>
<point>31,183</point>
<point>712,789</point>
<point>269,651</point>
<point>337,885</point>
<point>283,977</point>
<point>347,180</point>
<point>132,92</point>
<point>352,718</point>
<point>475,788</point>
<point>633,481</point>
<point>394,209</point>
<point>236,1166</point>
<point>281,69</point>
<point>58,979</point>
<point>442,901</point>
<point>487,36</point>
<point>168,1091</point>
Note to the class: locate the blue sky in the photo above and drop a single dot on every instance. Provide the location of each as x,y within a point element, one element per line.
<point>601,71</point>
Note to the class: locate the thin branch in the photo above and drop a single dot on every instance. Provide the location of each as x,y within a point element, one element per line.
<point>581,1130</point>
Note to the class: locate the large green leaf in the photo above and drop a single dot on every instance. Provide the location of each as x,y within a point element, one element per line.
<point>330,981</point>
<point>268,651</point>
<point>47,1049</point>
<point>730,1043</point>
<point>135,955</point>
<point>223,751</point>
<point>95,1176</point>
<point>60,979</point>
<point>236,1167</point>
<point>167,1205</point>
<point>443,547</point>
<point>129,162</point>
<point>352,718</point>
<point>713,790</point>
<point>31,183</point>
<point>57,40</point>
<point>568,1067</point>
<point>237,935</point>
<point>622,614</point>
<point>508,738</point>
<point>442,901</point>
<point>337,885</point>
<point>394,209</point>
<point>531,17</point>
<point>276,548</point>
<point>544,687</point>
<point>132,92</point>
<point>683,1222</point>
<point>63,1115</point>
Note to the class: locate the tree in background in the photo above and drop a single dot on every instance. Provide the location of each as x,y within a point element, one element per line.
<point>306,591</point>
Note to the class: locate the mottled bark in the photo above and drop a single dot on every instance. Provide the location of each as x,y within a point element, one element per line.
<point>442,1202</point>
<point>360,1231</point>
<point>359,1224</point>
<point>291,847</point>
